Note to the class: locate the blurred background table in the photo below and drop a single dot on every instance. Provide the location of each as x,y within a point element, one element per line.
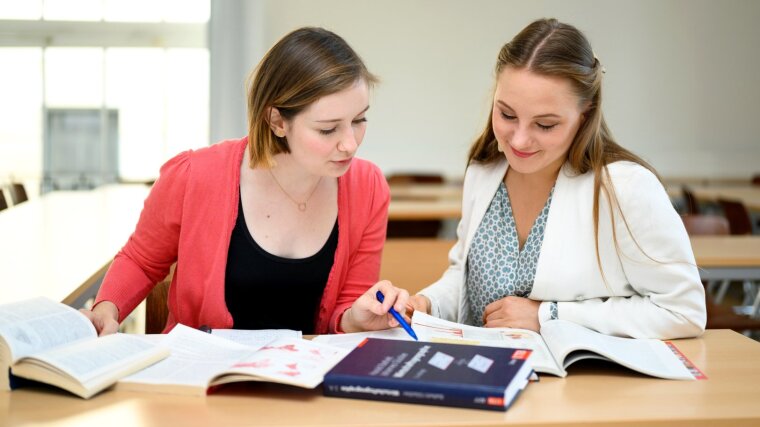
<point>61,244</point>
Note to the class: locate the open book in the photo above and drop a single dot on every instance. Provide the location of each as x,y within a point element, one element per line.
<point>560,344</point>
<point>53,343</point>
<point>256,337</point>
<point>200,361</point>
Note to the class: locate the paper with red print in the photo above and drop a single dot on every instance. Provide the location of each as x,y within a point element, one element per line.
<point>200,360</point>
<point>288,361</point>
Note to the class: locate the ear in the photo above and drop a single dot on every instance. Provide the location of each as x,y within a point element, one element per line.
<point>276,122</point>
<point>586,110</point>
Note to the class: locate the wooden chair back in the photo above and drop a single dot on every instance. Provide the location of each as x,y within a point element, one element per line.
<point>414,178</point>
<point>156,306</point>
<point>18,193</point>
<point>692,205</point>
<point>700,225</point>
<point>737,215</point>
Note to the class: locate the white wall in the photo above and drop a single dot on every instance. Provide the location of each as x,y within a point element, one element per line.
<point>682,86</point>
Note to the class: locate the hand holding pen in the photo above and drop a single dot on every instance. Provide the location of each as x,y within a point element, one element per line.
<point>367,313</point>
<point>401,321</point>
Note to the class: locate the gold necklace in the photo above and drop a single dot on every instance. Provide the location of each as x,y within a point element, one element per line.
<point>301,205</point>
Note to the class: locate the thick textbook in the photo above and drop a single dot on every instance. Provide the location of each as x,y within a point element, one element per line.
<point>53,343</point>
<point>200,361</point>
<point>562,343</point>
<point>431,373</point>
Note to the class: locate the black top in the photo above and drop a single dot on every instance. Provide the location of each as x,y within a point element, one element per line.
<point>265,291</point>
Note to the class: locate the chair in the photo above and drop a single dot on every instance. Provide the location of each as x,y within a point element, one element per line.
<point>156,305</point>
<point>692,205</point>
<point>718,316</point>
<point>737,215</point>
<point>18,193</point>
<point>722,317</point>
<point>700,225</point>
<point>414,228</point>
<point>709,225</point>
<point>756,180</point>
<point>414,178</point>
<point>3,203</point>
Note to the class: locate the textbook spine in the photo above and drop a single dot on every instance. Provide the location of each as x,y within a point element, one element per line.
<point>454,394</point>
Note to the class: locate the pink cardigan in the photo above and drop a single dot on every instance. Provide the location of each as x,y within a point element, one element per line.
<point>188,219</point>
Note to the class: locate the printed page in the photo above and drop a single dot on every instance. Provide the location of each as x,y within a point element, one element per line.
<point>196,357</point>
<point>152,338</point>
<point>570,342</point>
<point>37,324</point>
<point>289,361</point>
<point>429,328</point>
<point>350,341</point>
<point>255,338</point>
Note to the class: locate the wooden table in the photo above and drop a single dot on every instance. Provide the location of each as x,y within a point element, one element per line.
<point>416,202</point>
<point>426,191</point>
<point>727,257</point>
<point>593,394</point>
<point>418,209</point>
<point>61,244</point>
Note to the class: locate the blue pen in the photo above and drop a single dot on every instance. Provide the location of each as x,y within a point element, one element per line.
<point>401,321</point>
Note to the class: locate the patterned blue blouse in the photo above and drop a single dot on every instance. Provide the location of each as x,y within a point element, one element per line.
<point>496,267</point>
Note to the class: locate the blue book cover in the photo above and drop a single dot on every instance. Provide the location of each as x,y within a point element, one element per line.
<point>431,373</point>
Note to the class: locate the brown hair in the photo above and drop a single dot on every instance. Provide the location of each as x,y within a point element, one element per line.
<point>304,66</point>
<point>552,48</point>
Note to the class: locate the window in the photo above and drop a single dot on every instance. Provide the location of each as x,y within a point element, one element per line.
<point>20,108</point>
<point>107,10</point>
<point>143,64</point>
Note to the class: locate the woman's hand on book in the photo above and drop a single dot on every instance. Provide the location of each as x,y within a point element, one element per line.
<point>368,314</point>
<point>512,312</point>
<point>417,303</point>
<point>104,316</point>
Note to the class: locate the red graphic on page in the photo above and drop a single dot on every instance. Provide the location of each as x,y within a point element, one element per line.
<point>286,347</point>
<point>293,372</point>
<point>443,330</point>
<point>263,363</point>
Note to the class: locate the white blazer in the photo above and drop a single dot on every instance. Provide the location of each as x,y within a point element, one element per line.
<point>656,293</point>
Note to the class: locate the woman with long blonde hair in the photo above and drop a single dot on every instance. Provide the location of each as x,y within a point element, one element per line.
<point>559,221</point>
